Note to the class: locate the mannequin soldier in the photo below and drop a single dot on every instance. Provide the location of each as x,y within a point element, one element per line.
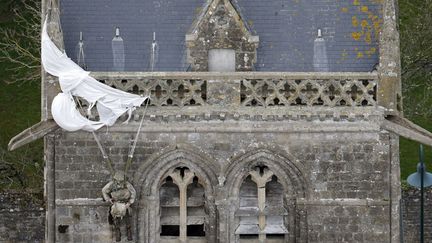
<point>122,195</point>
<point>119,192</point>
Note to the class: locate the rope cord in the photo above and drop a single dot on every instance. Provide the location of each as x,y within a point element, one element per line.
<point>132,149</point>
<point>104,154</point>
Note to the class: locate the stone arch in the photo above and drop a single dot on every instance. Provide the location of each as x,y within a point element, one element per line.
<point>290,174</point>
<point>150,175</point>
<point>289,171</point>
<point>159,164</point>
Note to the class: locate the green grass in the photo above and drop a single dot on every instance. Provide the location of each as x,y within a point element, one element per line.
<point>19,109</point>
<point>416,40</point>
<point>409,156</point>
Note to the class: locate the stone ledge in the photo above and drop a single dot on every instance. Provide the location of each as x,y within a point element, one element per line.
<point>299,113</point>
<point>246,127</point>
<point>82,202</point>
<point>344,202</point>
<point>235,75</point>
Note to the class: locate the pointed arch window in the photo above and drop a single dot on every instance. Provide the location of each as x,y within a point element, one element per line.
<point>261,214</point>
<point>182,208</point>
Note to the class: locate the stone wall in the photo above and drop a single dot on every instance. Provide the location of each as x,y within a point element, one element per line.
<point>22,218</point>
<point>339,181</point>
<point>411,214</point>
<point>26,218</point>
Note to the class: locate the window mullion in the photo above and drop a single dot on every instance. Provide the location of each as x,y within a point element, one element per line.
<point>182,181</point>
<point>261,180</point>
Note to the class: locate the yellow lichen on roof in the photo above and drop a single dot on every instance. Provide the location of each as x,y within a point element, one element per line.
<point>356,35</point>
<point>365,18</point>
<point>377,1</point>
<point>370,51</point>
<point>354,21</point>
<point>368,37</point>
<point>364,9</point>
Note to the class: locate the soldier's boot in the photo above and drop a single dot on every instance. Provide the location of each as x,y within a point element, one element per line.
<point>128,226</point>
<point>129,233</point>
<point>117,234</point>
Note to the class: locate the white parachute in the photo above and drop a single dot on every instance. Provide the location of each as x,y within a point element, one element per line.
<point>75,81</point>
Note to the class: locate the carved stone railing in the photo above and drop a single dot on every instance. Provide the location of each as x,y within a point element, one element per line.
<point>327,92</point>
<point>163,91</point>
<point>249,88</point>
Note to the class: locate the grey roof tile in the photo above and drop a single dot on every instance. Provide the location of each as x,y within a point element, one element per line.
<point>287,29</point>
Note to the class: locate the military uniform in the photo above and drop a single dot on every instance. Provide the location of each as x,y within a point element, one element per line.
<point>122,195</point>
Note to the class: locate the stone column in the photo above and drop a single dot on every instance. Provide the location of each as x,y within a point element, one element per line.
<point>49,171</point>
<point>261,181</point>
<point>182,181</point>
<point>395,188</point>
<point>50,88</point>
<point>49,84</point>
<point>148,220</point>
<point>389,89</point>
<point>223,204</point>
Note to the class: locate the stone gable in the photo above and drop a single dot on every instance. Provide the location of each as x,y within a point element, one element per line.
<point>221,27</point>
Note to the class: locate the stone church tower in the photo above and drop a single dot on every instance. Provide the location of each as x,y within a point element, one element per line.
<point>269,121</point>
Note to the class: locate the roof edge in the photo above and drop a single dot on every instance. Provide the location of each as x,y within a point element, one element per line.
<point>32,133</point>
<point>406,128</point>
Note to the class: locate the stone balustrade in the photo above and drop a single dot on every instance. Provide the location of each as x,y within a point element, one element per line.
<point>248,89</point>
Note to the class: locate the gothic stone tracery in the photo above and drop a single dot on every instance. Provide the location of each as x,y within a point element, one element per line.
<point>185,211</point>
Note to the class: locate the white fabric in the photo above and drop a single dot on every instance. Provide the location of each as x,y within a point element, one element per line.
<point>67,116</point>
<point>110,103</point>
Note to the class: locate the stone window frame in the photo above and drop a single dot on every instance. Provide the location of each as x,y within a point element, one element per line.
<point>261,176</point>
<point>151,174</point>
<point>290,173</point>
<point>183,178</point>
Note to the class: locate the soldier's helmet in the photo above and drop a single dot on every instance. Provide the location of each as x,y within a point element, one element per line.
<point>119,176</point>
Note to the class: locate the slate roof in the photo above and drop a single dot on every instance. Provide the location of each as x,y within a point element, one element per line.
<point>286,28</point>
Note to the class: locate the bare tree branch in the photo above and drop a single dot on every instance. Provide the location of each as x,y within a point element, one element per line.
<point>20,44</point>
<point>416,56</point>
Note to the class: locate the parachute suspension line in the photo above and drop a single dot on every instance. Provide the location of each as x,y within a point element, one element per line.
<point>77,101</point>
<point>104,154</point>
<point>132,149</point>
